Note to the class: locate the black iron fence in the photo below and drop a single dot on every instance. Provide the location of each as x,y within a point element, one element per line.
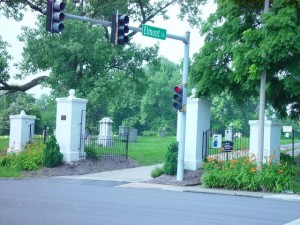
<point>217,144</point>
<point>96,147</point>
<point>41,138</point>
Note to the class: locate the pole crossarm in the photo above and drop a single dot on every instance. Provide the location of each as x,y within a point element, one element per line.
<point>109,24</point>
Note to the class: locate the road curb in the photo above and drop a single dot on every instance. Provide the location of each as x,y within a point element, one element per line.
<point>198,189</point>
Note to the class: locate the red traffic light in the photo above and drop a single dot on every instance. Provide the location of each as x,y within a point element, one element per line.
<point>177,98</point>
<point>178,89</point>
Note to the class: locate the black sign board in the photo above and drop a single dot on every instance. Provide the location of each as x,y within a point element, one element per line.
<point>227,146</point>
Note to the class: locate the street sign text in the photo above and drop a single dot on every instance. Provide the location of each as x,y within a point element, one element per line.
<point>154,32</point>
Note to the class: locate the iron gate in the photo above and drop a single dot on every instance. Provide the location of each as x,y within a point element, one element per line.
<point>97,146</point>
<point>239,141</point>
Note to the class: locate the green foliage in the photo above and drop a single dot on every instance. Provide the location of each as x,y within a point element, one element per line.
<point>156,105</point>
<point>13,104</point>
<point>4,61</point>
<point>52,156</point>
<point>286,158</point>
<point>14,9</point>
<point>226,110</point>
<point>236,36</point>
<point>157,171</point>
<point>150,133</point>
<point>31,158</point>
<point>4,142</point>
<point>91,153</point>
<point>242,174</point>
<point>115,78</point>
<point>170,166</point>
<point>47,108</point>
<point>9,172</point>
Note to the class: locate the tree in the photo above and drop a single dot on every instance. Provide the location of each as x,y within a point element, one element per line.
<point>156,106</point>
<point>112,78</point>
<point>5,88</point>
<point>140,11</point>
<point>225,111</point>
<point>47,111</point>
<point>236,36</point>
<point>13,105</point>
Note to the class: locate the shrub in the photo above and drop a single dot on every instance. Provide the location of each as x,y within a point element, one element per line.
<point>242,174</point>
<point>157,171</point>
<point>52,155</point>
<point>286,158</point>
<point>91,153</point>
<point>170,166</point>
<point>9,172</point>
<point>31,158</point>
<point>8,160</point>
<point>149,133</point>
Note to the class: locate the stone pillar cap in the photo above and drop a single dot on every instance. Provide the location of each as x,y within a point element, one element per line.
<point>106,120</point>
<point>71,94</point>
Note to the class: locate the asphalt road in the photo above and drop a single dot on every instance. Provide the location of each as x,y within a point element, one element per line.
<point>49,201</point>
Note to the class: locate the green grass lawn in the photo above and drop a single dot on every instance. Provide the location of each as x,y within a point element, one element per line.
<point>3,144</point>
<point>288,141</point>
<point>150,150</point>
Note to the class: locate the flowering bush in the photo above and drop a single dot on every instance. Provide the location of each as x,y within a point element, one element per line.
<point>243,174</point>
<point>31,158</point>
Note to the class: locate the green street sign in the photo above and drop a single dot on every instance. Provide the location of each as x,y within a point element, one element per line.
<point>154,32</point>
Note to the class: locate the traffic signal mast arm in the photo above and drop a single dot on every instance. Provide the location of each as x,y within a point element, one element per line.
<point>109,24</point>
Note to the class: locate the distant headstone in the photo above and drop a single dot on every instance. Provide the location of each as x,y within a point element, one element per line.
<point>162,133</point>
<point>105,132</point>
<point>123,131</point>
<point>133,133</point>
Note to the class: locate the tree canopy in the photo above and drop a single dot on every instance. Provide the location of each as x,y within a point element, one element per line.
<point>138,11</point>
<point>236,36</point>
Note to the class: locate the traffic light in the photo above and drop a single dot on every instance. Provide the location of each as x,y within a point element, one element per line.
<point>177,98</point>
<point>55,16</point>
<point>119,29</point>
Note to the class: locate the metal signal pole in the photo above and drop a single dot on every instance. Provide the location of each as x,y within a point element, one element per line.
<point>262,102</point>
<point>182,117</point>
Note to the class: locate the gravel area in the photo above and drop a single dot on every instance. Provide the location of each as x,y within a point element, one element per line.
<point>84,167</point>
<point>190,178</point>
<point>107,164</point>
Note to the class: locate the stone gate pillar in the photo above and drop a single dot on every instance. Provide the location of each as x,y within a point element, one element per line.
<point>21,131</point>
<point>105,132</point>
<point>197,121</point>
<point>70,126</point>
<point>272,131</point>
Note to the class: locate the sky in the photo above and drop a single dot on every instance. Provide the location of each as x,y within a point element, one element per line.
<point>169,48</point>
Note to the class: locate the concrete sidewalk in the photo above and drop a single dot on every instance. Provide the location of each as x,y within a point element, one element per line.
<point>135,177</point>
<point>137,174</point>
